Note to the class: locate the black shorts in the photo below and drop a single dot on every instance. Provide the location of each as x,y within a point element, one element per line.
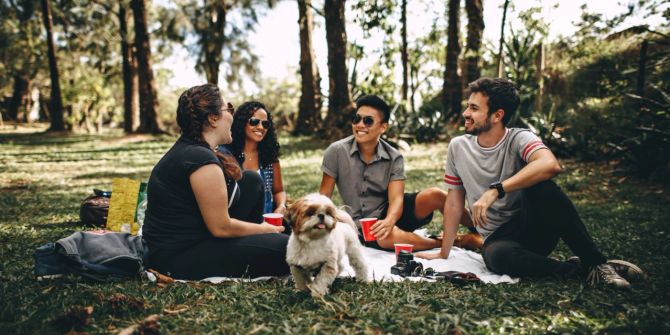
<point>407,222</point>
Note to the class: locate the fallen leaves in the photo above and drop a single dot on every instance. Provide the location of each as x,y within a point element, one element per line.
<point>149,326</point>
<point>175,309</point>
<point>75,318</point>
<point>161,279</point>
<point>121,302</point>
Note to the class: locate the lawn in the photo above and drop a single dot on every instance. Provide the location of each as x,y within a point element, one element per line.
<point>44,177</point>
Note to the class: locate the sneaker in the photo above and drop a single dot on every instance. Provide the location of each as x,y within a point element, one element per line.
<point>629,271</point>
<point>606,274</point>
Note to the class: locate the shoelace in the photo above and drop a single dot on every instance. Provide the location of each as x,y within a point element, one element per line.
<point>603,272</point>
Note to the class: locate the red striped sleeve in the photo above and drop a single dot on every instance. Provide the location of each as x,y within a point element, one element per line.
<point>530,147</point>
<point>451,180</point>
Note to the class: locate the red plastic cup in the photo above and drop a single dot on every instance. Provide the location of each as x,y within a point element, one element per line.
<point>402,246</point>
<point>366,224</point>
<point>274,219</point>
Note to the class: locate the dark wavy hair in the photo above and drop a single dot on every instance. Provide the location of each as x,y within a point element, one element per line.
<point>268,148</point>
<point>502,93</point>
<point>195,105</point>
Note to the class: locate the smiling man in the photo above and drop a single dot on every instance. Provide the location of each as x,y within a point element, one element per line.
<point>505,174</point>
<point>370,176</point>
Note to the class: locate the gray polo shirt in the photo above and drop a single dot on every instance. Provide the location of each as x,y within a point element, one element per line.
<point>363,186</point>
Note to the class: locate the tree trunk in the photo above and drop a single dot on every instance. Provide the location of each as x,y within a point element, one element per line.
<point>539,77</point>
<point>57,122</point>
<point>403,51</point>
<point>131,113</point>
<point>309,108</point>
<point>642,68</point>
<point>212,37</point>
<point>340,103</point>
<point>149,121</point>
<point>19,97</point>
<point>475,11</point>
<point>499,65</point>
<point>451,90</point>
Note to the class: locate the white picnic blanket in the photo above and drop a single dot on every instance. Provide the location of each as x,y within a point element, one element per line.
<point>461,260</point>
<point>380,263</point>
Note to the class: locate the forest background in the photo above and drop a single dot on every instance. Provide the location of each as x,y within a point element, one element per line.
<point>601,92</point>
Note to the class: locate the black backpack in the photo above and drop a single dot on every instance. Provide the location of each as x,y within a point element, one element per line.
<point>93,210</point>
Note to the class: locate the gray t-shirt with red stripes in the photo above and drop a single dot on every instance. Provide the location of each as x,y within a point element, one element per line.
<point>473,168</point>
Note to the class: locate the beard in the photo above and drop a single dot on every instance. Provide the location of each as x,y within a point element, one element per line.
<point>476,130</point>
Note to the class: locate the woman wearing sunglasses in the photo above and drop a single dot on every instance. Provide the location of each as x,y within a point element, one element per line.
<point>256,148</point>
<point>190,235</point>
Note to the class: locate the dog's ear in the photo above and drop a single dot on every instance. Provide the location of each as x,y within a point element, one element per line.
<point>292,212</point>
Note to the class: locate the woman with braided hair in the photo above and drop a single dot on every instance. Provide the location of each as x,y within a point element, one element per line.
<point>190,235</point>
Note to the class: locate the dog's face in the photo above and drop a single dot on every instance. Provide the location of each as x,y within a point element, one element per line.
<point>312,216</point>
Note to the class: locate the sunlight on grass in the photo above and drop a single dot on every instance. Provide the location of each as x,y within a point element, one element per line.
<point>43,178</point>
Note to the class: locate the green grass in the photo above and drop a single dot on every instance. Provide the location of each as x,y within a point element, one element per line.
<point>44,177</point>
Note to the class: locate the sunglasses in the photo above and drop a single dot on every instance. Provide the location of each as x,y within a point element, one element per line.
<point>264,123</point>
<point>230,109</point>
<point>368,121</point>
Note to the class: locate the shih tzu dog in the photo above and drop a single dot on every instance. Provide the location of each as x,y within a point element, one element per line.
<point>322,236</point>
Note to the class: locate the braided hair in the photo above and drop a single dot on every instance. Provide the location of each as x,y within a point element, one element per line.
<point>268,148</point>
<point>195,105</point>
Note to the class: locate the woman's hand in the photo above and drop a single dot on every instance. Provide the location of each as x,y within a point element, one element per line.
<point>268,228</point>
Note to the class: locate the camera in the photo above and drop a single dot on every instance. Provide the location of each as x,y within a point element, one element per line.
<point>406,265</point>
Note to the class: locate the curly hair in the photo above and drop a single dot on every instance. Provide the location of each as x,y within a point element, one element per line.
<point>195,105</point>
<point>268,148</point>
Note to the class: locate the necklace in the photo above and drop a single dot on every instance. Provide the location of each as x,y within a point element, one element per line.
<point>249,156</point>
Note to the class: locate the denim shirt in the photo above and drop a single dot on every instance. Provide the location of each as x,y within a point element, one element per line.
<point>267,174</point>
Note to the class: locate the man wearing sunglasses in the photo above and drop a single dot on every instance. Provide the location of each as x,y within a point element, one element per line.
<point>370,177</point>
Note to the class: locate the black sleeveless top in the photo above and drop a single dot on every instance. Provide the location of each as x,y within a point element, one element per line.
<point>173,220</point>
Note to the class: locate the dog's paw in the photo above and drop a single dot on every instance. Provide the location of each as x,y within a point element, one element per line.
<point>318,291</point>
<point>363,278</point>
<point>301,288</point>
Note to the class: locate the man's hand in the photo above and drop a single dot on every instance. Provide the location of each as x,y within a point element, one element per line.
<point>429,255</point>
<point>481,206</point>
<point>382,228</point>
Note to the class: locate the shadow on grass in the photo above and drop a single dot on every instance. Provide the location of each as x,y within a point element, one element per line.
<point>46,138</point>
<point>64,224</point>
<point>111,175</point>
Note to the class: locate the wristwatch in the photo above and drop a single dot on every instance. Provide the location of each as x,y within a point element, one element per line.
<point>498,186</point>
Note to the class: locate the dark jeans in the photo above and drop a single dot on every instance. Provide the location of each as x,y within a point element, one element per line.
<point>249,207</point>
<point>249,256</point>
<point>520,247</point>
